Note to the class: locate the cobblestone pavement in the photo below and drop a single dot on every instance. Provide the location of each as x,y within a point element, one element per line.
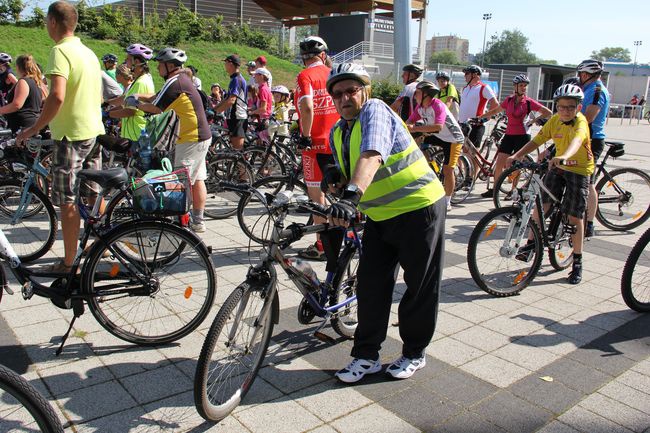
<point>484,368</point>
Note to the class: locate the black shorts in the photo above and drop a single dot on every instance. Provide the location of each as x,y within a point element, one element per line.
<point>451,158</point>
<point>571,188</point>
<point>510,144</point>
<point>237,127</point>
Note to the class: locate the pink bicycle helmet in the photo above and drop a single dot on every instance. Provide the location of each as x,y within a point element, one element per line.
<point>140,50</point>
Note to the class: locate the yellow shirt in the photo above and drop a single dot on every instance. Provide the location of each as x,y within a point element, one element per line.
<point>582,162</point>
<point>80,116</point>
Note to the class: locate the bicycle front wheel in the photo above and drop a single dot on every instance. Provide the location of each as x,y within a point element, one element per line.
<point>31,234</point>
<point>496,265</point>
<point>149,282</point>
<point>233,351</point>
<point>264,163</point>
<point>623,199</point>
<point>225,167</point>
<point>344,287</point>
<point>23,408</point>
<point>635,282</point>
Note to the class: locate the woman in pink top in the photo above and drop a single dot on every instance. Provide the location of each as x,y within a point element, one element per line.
<point>517,107</point>
<point>264,100</point>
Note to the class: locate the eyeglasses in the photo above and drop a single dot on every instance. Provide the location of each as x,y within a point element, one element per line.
<point>566,107</point>
<point>350,92</point>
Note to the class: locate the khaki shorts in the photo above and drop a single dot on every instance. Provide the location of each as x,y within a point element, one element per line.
<point>68,158</point>
<point>194,156</point>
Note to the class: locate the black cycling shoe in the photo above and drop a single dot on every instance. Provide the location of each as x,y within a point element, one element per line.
<point>525,253</point>
<point>488,193</point>
<point>575,276</point>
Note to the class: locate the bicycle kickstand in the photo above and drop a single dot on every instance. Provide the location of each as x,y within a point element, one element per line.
<point>321,335</point>
<point>78,311</point>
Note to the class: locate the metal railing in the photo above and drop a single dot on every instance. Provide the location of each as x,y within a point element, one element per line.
<point>365,48</point>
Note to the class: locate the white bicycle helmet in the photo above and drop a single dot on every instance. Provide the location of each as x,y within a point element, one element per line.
<point>572,80</point>
<point>312,45</point>
<point>171,55</point>
<point>347,71</point>
<point>569,91</point>
<point>427,87</point>
<point>521,78</point>
<point>4,58</point>
<point>591,66</point>
<point>281,90</point>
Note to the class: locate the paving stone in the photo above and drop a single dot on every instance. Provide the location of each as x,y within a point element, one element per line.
<point>482,338</point>
<point>128,420</point>
<point>466,422</point>
<point>330,400</point>
<point>635,380</point>
<point>557,427</point>
<point>586,421</point>
<point>453,351</point>
<point>460,387</point>
<point>294,418</point>
<point>575,375</point>
<point>157,384</point>
<point>597,319</point>
<point>512,413</point>
<point>131,359</point>
<point>495,370</point>
<point>607,362</point>
<point>553,396</point>
<point>530,357</point>
<point>617,412</point>
<point>323,429</point>
<point>626,395</point>
<point>97,401</point>
<point>557,306</point>
<point>473,313</point>
<point>551,341</point>
<point>420,407</point>
<point>643,367</point>
<point>293,375</point>
<point>373,418</point>
<point>76,375</point>
<point>577,331</point>
<point>449,324</point>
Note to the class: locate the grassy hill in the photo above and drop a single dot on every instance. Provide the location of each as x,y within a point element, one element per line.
<point>205,56</point>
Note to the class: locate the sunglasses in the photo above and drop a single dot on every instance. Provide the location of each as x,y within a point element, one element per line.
<point>566,107</point>
<point>350,92</point>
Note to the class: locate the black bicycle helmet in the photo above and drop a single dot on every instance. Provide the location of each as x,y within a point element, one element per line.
<point>521,78</point>
<point>312,45</point>
<point>442,75</point>
<point>414,69</point>
<point>109,58</point>
<point>473,69</point>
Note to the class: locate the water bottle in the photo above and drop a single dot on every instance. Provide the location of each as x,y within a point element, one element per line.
<point>282,198</point>
<point>144,143</point>
<point>306,269</point>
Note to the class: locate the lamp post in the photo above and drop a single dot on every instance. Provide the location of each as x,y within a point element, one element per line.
<point>636,51</point>
<point>486,17</point>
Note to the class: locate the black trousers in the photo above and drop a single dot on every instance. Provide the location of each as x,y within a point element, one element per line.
<point>415,241</point>
<point>476,135</point>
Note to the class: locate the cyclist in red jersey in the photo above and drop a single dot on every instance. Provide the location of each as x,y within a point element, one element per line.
<point>317,115</point>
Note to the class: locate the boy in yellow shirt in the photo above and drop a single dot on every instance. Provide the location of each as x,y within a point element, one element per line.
<point>570,169</point>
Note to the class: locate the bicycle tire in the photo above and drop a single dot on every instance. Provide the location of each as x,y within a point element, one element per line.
<point>26,395</point>
<point>177,311</point>
<point>27,235</point>
<point>510,176</point>
<point>626,213</point>
<point>231,370</point>
<point>560,253</point>
<point>463,182</point>
<point>253,216</point>
<point>631,286</point>
<point>516,275</point>
<point>263,162</point>
<point>232,168</point>
<point>344,286</point>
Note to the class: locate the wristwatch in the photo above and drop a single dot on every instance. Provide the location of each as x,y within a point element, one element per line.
<point>352,190</point>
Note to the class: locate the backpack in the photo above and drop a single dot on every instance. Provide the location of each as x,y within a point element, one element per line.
<point>204,100</point>
<point>163,130</point>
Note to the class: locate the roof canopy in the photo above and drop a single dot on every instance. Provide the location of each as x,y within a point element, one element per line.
<point>306,12</point>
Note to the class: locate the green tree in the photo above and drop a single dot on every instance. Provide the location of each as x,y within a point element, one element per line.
<point>37,19</point>
<point>445,57</point>
<point>509,48</point>
<point>619,54</point>
<point>10,10</point>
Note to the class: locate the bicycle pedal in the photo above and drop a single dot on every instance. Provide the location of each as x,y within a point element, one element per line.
<point>324,337</point>
<point>27,290</point>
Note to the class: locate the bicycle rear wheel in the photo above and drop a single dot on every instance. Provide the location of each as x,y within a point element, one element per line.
<point>155,285</point>
<point>23,408</point>
<point>263,162</point>
<point>344,286</point>
<point>635,281</point>
<point>225,167</point>
<point>491,265</point>
<point>463,179</point>
<point>510,180</point>
<point>560,253</point>
<point>623,199</point>
<point>233,351</point>
<point>33,234</point>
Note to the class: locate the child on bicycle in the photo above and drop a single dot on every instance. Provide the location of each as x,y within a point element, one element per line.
<point>569,170</point>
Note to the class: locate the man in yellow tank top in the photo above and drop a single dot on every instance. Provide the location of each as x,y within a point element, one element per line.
<point>384,174</point>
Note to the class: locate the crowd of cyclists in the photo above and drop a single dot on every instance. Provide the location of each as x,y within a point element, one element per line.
<point>351,144</point>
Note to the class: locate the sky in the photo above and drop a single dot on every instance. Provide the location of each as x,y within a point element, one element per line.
<point>566,31</point>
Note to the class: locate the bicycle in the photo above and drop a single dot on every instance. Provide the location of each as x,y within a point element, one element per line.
<point>225,165</point>
<point>462,172</point>
<point>147,282</point>
<point>22,407</point>
<point>635,280</point>
<point>623,193</point>
<point>493,252</point>
<point>237,342</point>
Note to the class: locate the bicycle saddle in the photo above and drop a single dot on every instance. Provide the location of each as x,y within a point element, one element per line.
<point>107,179</point>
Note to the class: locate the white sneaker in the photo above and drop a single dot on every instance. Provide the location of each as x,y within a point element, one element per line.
<point>448,206</point>
<point>358,368</point>
<point>404,367</point>
<point>198,227</point>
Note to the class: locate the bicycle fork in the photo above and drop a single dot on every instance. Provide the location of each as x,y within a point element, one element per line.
<point>517,229</point>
